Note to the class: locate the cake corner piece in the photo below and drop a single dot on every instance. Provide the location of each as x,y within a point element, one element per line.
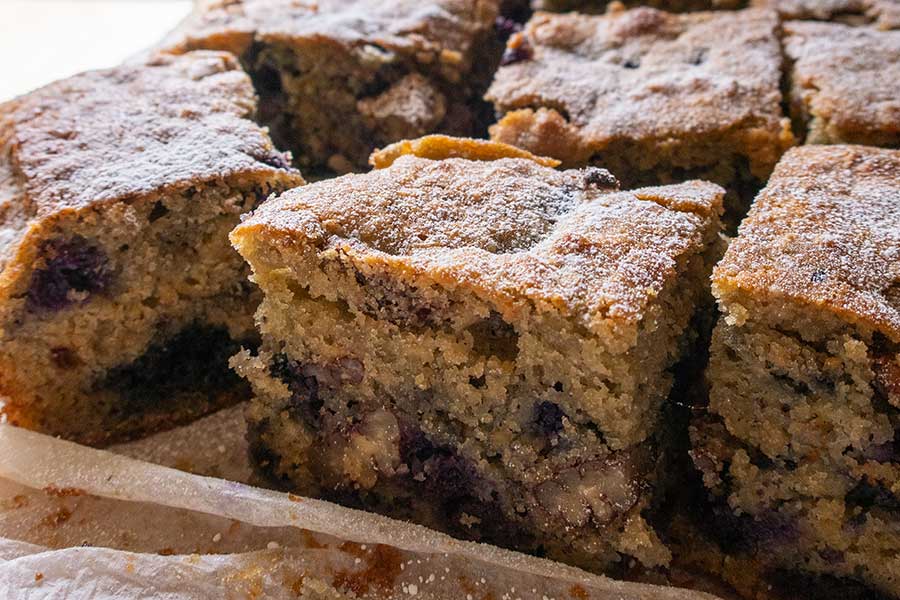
<point>120,297</point>
<point>799,450</point>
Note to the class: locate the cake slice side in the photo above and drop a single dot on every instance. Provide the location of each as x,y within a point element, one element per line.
<point>436,346</point>
<point>799,451</point>
<point>121,299</point>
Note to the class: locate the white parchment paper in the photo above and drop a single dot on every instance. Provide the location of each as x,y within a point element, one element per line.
<point>80,523</point>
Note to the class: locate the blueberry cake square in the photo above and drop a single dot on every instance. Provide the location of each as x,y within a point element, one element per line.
<point>121,298</point>
<point>844,83</point>
<point>883,14</point>
<point>338,78</point>
<point>800,450</point>
<point>651,96</point>
<point>475,341</point>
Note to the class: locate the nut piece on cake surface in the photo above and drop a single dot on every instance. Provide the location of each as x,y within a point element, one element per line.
<point>338,78</point>
<point>652,96</point>
<point>800,449</point>
<point>121,299</point>
<point>845,83</point>
<point>475,341</point>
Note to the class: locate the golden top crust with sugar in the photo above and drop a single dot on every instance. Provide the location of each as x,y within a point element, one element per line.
<point>136,129</point>
<point>434,31</point>
<point>127,133</point>
<point>824,233</point>
<point>647,75</point>
<point>511,231</point>
<point>849,76</point>
<point>885,14</point>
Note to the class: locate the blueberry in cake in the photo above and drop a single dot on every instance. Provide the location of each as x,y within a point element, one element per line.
<point>800,450</point>
<point>120,296</point>
<point>472,340</point>
<point>338,78</point>
<point>652,96</point>
<point>844,83</point>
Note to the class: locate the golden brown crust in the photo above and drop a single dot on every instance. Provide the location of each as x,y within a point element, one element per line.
<point>121,133</point>
<point>439,147</point>
<point>824,234</point>
<point>885,14</point>
<point>440,31</point>
<point>128,133</point>
<point>510,231</point>
<point>649,78</point>
<point>848,80</point>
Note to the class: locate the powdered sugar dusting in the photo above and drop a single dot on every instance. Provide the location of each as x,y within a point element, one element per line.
<point>410,27</point>
<point>825,232</point>
<point>646,74</point>
<point>848,77</point>
<point>509,230</point>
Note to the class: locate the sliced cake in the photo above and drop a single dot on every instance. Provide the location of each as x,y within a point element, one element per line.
<point>121,299</point>
<point>473,340</point>
<point>800,450</point>
<point>654,97</point>
<point>844,83</point>
<point>338,78</point>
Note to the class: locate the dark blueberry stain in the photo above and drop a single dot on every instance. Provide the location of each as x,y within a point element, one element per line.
<point>548,418</point>
<point>440,468</point>
<point>72,265</point>
<point>506,27</point>
<point>698,56</point>
<point>600,178</point>
<point>304,388</point>
<point>195,359</point>
<point>274,159</point>
<point>516,54</point>
<point>870,495</point>
<point>818,277</point>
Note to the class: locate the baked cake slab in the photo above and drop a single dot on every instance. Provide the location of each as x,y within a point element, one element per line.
<point>121,299</point>
<point>883,14</point>
<point>482,346</point>
<point>338,78</point>
<point>652,96</point>
<point>844,83</point>
<point>800,450</point>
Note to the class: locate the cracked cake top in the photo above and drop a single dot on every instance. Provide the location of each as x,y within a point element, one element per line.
<point>510,230</point>
<point>824,234</point>
<point>439,31</point>
<point>128,133</point>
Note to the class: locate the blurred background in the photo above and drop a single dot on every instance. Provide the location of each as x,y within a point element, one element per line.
<point>44,40</point>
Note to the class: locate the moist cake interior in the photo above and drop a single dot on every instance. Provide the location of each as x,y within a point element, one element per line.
<point>130,327</point>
